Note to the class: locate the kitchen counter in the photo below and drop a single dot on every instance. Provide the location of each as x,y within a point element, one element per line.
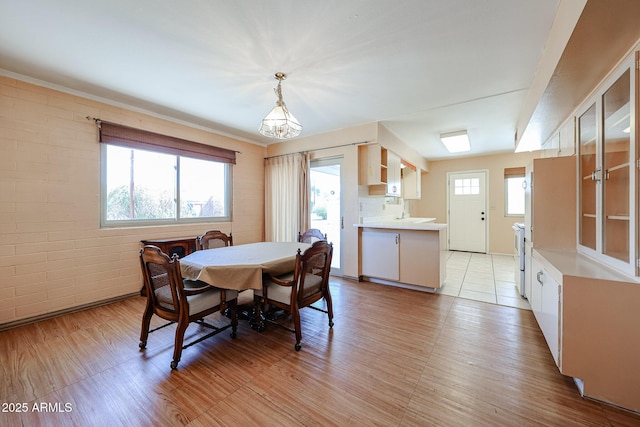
<point>426,224</point>
<point>570,263</point>
<point>408,252</point>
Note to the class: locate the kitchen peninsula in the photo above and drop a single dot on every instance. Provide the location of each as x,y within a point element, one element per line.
<point>407,252</point>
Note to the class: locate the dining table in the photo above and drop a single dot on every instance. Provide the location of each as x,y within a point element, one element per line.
<point>241,267</point>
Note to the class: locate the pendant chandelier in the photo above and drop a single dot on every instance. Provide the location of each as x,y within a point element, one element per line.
<point>280,123</point>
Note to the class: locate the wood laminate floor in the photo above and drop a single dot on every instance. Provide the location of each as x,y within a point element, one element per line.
<point>395,357</point>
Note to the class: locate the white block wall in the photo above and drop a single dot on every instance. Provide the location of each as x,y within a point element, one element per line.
<point>53,254</point>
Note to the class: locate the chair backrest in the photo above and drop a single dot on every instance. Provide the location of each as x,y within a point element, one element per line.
<point>311,235</point>
<point>213,239</point>
<point>162,280</point>
<point>312,272</point>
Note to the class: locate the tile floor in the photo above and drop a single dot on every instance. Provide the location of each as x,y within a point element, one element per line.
<point>483,277</point>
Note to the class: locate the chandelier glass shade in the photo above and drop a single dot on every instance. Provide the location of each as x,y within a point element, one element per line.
<point>280,123</point>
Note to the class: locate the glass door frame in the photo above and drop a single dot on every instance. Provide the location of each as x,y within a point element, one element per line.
<point>337,241</point>
<point>596,98</point>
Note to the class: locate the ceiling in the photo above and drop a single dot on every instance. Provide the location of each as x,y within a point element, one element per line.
<point>420,67</point>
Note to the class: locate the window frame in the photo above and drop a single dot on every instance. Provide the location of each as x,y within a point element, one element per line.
<point>517,172</point>
<point>147,141</point>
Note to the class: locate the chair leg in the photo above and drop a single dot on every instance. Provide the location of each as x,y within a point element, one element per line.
<point>177,349</point>
<point>327,298</point>
<point>146,322</point>
<point>295,314</point>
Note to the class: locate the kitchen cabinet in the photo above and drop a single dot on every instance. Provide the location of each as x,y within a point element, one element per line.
<point>545,304</point>
<point>550,211</point>
<point>381,254</point>
<point>607,181</point>
<point>411,183</point>
<point>589,316</point>
<point>567,138</point>
<point>414,255</point>
<point>372,160</point>
<point>394,180</point>
<point>379,169</point>
<point>562,142</point>
<point>422,258</point>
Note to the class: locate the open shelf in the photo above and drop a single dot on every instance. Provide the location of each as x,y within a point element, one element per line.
<point>618,167</point>
<point>618,217</point>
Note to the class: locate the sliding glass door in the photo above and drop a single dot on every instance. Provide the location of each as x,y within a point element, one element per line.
<point>326,205</point>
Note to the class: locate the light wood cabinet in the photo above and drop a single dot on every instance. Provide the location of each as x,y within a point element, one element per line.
<point>562,143</point>
<point>394,180</point>
<point>411,183</point>
<point>589,316</point>
<point>545,304</point>
<point>372,164</point>
<point>551,219</point>
<point>413,257</point>
<point>422,258</point>
<point>381,254</point>
<point>567,138</point>
<point>379,169</point>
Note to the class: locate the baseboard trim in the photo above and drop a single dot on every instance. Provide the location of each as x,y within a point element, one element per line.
<point>46,316</point>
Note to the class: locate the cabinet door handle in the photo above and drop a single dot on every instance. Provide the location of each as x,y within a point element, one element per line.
<point>397,238</point>
<point>539,277</point>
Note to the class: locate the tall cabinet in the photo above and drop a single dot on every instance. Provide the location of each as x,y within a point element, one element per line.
<point>607,170</point>
<point>586,301</point>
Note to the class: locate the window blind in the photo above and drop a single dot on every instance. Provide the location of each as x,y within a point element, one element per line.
<point>514,172</point>
<point>111,133</point>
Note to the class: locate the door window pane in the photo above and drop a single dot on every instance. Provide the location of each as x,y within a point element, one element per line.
<point>467,186</point>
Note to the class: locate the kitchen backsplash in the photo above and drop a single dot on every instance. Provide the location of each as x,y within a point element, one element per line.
<point>382,207</point>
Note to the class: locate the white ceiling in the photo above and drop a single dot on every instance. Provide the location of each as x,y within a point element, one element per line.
<point>420,67</point>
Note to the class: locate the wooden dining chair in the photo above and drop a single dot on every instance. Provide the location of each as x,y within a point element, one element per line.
<point>307,284</point>
<point>213,239</point>
<point>311,235</point>
<point>169,299</point>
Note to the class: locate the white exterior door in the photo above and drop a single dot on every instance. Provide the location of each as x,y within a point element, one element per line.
<point>468,215</point>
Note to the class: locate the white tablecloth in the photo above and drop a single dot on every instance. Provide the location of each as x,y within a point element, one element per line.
<point>241,267</point>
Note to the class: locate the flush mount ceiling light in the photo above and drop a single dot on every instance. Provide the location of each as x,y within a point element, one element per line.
<point>456,142</point>
<point>280,123</point>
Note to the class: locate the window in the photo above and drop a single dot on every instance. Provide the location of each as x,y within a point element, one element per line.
<point>147,183</point>
<point>514,191</point>
<point>467,186</point>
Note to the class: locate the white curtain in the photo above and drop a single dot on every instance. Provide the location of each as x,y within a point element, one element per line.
<point>286,197</point>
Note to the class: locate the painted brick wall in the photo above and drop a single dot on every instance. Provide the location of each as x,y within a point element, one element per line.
<point>53,253</point>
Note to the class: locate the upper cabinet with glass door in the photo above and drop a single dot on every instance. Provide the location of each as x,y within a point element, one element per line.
<point>607,152</point>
